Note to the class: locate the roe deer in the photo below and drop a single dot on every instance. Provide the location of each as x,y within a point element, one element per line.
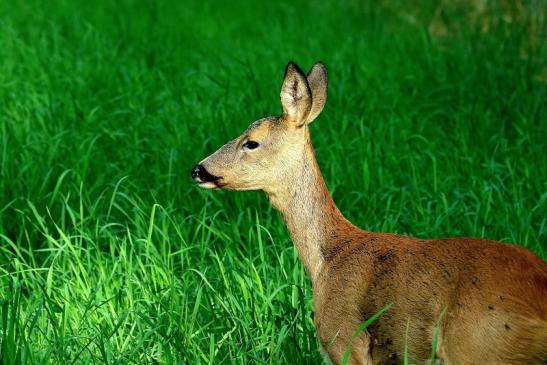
<point>486,300</point>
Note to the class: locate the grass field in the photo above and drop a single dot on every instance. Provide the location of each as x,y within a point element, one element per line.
<point>435,126</point>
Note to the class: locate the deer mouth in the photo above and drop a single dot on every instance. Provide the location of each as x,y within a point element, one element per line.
<point>208,185</point>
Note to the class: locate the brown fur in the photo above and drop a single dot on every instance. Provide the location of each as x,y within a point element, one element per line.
<point>487,299</point>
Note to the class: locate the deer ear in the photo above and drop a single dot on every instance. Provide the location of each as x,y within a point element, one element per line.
<point>317,80</point>
<point>295,95</point>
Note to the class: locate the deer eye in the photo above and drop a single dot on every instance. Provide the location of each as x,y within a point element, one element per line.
<point>250,145</point>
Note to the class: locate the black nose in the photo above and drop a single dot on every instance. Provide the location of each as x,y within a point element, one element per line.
<point>200,174</point>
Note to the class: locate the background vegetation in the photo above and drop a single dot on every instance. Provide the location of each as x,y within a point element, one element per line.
<point>435,126</point>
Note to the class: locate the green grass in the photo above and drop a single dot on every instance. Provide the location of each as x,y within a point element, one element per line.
<point>435,126</point>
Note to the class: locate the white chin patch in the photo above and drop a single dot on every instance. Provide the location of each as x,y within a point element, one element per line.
<point>207,185</point>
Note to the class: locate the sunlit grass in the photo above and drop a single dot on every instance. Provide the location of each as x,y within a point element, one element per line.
<point>434,127</point>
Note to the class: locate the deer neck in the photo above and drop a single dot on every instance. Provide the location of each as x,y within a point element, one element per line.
<point>315,224</point>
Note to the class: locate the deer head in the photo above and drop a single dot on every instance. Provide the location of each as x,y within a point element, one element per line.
<point>271,148</point>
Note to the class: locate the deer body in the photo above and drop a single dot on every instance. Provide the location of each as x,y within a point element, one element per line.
<point>487,301</point>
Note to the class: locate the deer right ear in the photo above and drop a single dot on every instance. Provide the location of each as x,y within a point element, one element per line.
<point>296,97</point>
<point>317,80</point>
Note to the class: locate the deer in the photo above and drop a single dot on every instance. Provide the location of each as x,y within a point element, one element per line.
<point>479,301</point>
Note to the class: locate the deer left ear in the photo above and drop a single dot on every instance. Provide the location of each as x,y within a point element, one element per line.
<point>296,97</point>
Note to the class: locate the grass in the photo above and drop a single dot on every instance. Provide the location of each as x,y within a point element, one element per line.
<point>360,329</point>
<point>435,126</point>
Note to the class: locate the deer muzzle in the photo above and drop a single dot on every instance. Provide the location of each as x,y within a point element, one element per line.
<point>203,177</point>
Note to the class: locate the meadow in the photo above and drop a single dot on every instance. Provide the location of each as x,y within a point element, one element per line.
<point>435,126</point>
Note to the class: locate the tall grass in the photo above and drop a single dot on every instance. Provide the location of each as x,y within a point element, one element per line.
<point>435,126</point>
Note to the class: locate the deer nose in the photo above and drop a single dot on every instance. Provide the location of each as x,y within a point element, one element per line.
<point>196,172</point>
<point>200,174</point>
